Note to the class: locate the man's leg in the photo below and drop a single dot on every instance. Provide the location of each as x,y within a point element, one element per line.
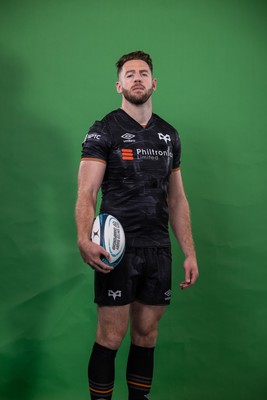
<point>111,329</point>
<point>144,331</point>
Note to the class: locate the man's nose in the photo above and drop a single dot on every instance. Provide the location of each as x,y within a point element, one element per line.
<point>137,78</point>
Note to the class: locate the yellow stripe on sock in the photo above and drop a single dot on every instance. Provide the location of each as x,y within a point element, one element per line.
<point>139,384</point>
<point>100,391</point>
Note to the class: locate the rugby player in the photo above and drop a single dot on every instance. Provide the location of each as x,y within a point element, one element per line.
<point>134,156</point>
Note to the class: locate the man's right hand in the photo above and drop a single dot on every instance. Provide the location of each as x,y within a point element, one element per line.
<point>92,253</point>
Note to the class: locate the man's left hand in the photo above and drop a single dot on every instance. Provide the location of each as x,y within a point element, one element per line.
<point>191,272</point>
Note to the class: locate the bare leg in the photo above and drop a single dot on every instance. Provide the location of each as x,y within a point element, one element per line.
<point>144,332</point>
<point>111,328</point>
<point>144,323</point>
<point>112,325</point>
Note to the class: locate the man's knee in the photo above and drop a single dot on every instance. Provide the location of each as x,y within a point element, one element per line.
<point>144,337</point>
<point>110,339</point>
<point>144,324</point>
<point>112,326</point>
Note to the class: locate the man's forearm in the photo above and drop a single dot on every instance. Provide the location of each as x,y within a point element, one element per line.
<point>84,213</point>
<point>180,222</point>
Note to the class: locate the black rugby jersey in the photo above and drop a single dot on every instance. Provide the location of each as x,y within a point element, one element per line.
<point>139,162</point>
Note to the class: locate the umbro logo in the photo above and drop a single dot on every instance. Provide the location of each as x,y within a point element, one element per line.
<point>114,294</point>
<point>168,294</point>
<point>128,137</point>
<point>166,138</point>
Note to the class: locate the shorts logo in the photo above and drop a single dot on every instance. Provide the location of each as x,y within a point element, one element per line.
<point>166,138</point>
<point>168,294</point>
<point>128,137</point>
<point>114,294</point>
<point>127,154</point>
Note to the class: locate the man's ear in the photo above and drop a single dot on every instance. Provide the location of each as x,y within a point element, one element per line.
<point>118,86</point>
<point>154,84</point>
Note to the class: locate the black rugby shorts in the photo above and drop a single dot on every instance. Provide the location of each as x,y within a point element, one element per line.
<point>144,274</point>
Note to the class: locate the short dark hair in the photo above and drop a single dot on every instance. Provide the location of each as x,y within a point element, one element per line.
<point>135,55</point>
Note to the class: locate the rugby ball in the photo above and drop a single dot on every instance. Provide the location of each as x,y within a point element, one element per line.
<point>108,233</point>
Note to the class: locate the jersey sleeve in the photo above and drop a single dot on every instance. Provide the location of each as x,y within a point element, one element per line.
<point>97,143</point>
<point>176,151</point>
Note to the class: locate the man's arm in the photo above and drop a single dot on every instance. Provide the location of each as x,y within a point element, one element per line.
<point>90,177</point>
<point>180,222</point>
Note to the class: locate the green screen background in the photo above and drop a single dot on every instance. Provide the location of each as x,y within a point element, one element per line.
<point>57,77</point>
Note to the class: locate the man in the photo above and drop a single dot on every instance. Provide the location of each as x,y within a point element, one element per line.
<point>134,156</point>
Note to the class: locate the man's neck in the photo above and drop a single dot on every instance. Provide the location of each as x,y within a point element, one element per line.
<point>140,113</point>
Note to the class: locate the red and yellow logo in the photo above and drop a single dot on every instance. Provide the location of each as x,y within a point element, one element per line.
<point>127,154</point>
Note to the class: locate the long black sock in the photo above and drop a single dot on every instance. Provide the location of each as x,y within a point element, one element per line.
<point>140,372</point>
<point>101,372</point>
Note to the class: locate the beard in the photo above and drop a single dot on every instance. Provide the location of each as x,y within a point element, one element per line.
<point>137,98</point>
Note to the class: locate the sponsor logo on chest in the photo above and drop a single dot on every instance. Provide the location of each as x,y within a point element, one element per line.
<point>145,154</point>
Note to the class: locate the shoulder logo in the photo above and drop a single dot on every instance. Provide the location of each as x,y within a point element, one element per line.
<point>95,136</point>
<point>166,138</point>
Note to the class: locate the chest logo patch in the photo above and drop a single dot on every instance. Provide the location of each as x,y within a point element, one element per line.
<point>127,154</point>
<point>166,138</point>
<point>128,138</point>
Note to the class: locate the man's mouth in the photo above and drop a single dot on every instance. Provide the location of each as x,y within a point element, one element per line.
<point>138,87</point>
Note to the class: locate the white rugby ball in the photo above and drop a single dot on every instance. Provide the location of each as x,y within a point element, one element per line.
<point>108,233</point>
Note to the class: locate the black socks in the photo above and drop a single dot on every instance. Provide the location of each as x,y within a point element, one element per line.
<point>101,372</point>
<point>140,372</point>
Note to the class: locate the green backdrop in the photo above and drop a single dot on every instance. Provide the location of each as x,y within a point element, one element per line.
<point>57,77</point>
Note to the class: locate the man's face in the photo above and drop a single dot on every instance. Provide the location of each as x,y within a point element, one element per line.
<point>135,82</point>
